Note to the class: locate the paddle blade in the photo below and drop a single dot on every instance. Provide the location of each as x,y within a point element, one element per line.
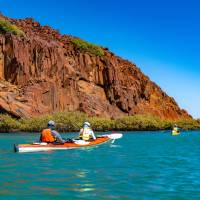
<point>115,136</point>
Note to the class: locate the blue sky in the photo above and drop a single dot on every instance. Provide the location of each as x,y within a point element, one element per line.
<point>161,37</point>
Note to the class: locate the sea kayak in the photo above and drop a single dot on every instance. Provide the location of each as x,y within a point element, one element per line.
<point>73,144</point>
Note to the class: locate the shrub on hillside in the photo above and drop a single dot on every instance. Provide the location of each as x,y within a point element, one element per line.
<point>7,27</point>
<point>87,47</point>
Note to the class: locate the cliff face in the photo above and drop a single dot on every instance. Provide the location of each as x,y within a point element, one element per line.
<point>43,72</point>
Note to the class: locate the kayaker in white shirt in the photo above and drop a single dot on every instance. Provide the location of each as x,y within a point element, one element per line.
<point>86,133</point>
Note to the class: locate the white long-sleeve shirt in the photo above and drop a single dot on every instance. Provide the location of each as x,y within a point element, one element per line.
<point>91,132</point>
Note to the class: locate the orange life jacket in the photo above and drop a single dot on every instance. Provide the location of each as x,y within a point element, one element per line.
<point>46,136</point>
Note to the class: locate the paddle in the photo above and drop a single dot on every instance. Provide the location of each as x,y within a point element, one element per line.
<point>114,136</point>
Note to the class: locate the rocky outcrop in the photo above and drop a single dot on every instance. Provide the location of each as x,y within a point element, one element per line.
<point>42,72</point>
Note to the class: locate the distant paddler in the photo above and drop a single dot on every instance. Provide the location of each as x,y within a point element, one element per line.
<point>175,130</point>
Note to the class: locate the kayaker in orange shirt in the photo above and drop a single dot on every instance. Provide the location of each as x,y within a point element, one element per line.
<point>50,135</point>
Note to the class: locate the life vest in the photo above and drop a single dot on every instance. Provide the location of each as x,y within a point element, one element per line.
<point>175,129</point>
<point>46,136</point>
<point>85,135</point>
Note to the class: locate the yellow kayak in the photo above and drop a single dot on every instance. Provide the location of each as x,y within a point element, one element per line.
<point>174,133</point>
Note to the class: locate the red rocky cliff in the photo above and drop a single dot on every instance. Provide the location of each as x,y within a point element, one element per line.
<point>42,72</point>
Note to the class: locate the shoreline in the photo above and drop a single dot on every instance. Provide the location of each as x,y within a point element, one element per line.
<point>72,122</point>
<point>99,132</point>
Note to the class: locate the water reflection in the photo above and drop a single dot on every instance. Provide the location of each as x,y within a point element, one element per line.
<point>81,173</point>
<point>85,184</point>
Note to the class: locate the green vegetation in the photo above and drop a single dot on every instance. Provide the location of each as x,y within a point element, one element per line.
<point>7,27</point>
<point>193,124</point>
<point>87,47</point>
<point>142,122</point>
<point>72,121</point>
<point>7,123</point>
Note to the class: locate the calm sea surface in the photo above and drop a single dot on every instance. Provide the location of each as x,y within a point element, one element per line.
<point>141,165</point>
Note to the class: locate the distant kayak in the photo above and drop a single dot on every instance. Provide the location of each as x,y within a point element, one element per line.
<point>174,133</point>
<point>73,144</point>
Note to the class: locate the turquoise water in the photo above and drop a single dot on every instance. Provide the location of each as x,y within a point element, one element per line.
<point>141,165</point>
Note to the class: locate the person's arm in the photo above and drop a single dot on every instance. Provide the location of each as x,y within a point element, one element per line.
<point>40,138</point>
<point>92,134</point>
<point>57,136</point>
<point>81,132</point>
